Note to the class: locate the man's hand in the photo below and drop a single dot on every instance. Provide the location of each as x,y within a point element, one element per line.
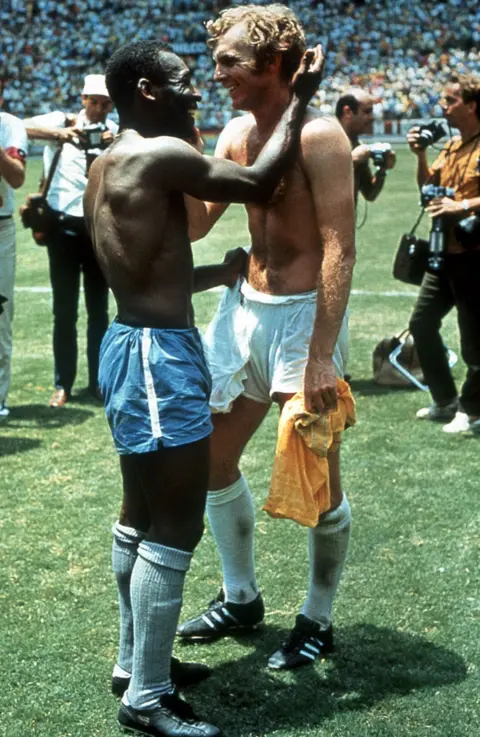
<point>360,153</point>
<point>309,74</point>
<point>68,135</point>
<point>236,259</point>
<point>320,386</point>
<point>107,137</point>
<point>413,138</point>
<point>445,206</point>
<point>391,159</point>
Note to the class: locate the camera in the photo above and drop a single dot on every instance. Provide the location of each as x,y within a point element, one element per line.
<point>467,232</point>
<point>436,241</point>
<point>379,153</point>
<point>430,133</point>
<point>91,137</point>
<point>430,192</point>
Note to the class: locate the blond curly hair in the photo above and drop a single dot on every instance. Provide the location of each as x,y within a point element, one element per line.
<point>270,29</point>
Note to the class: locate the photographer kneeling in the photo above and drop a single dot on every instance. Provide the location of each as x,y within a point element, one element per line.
<point>354,111</point>
<point>82,138</point>
<point>452,278</point>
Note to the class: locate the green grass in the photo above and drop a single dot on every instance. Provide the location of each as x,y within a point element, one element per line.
<point>406,615</point>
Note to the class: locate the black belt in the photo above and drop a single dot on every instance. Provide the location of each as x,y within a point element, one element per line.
<point>5,217</point>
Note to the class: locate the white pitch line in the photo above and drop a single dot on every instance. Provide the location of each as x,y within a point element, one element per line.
<point>354,292</point>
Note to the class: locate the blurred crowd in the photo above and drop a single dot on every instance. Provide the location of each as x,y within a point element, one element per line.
<point>401,50</point>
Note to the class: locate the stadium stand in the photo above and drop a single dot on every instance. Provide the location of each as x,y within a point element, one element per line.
<point>401,50</point>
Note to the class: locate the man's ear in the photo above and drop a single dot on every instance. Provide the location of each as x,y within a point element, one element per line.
<point>276,64</point>
<point>145,87</point>
<point>472,106</point>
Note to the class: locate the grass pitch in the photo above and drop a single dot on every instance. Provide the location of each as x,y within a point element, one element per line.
<point>406,615</point>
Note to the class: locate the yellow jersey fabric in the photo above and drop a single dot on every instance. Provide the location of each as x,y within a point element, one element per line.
<point>300,485</point>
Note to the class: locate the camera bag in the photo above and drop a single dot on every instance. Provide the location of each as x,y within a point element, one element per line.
<point>36,213</point>
<point>405,369</point>
<point>411,257</point>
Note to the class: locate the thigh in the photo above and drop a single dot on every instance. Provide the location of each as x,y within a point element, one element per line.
<point>64,266</point>
<point>96,289</point>
<point>434,301</point>
<point>165,493</point>
<point>231,433</point>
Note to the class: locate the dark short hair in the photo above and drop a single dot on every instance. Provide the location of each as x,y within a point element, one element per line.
<point>346,101</point>
<point>470,89</point>
<point>130,63</point>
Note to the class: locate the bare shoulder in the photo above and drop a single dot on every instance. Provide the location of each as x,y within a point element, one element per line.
<point>237,127</point>
<point>323,134</point>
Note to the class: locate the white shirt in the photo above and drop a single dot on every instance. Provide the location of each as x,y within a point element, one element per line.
<point>70,178</point>
<point>12,136</point>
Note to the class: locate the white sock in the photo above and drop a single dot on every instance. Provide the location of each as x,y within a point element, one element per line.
<point>156,592</point>
<point>231,515</point>
<point>124,555</point>
<point>328,547</point>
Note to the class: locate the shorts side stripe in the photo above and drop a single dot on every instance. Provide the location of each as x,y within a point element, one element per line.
<point>150,387</point>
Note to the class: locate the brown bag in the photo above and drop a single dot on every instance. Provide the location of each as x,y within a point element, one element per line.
<point>387,373</point>
<point>36,213</point>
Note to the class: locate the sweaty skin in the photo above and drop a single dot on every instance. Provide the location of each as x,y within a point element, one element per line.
<point>135,209</point>
<point>303,238</point>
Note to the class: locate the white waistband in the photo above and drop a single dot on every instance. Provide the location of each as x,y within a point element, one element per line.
<point>274,299</point>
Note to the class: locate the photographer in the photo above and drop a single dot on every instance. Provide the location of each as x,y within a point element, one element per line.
<point>354,111</point>
<point>13,146</point>
<point>454,281</point>
<point>82,138</point>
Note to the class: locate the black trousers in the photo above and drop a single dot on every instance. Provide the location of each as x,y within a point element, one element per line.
<point>458,284</point>
<point>70,253</point>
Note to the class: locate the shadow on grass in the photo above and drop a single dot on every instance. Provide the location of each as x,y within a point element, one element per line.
<point>11,446</point>
<point>371,663</point>
<point>26,415</point>
<point>367,387</point>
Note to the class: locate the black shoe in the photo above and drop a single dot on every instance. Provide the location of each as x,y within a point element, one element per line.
<point>223,618</point>
<point>182,675</point>
<point>173,717</point>
<point>306,642</point>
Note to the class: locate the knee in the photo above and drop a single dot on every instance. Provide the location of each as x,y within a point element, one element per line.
<point>193,534</point>
<point>222,474</point>
<point>422,324</point>
<point>336,494</point>
<point>184,535</point>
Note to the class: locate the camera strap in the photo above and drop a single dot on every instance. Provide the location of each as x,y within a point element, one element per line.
<point>51,172</point>
<point>417,222</point>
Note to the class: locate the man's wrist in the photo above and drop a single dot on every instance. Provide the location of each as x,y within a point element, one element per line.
<point>465,205</point>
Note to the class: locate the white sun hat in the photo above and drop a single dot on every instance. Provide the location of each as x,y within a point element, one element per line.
<point>95,85</point>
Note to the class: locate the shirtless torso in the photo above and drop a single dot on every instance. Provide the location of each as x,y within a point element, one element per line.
<point>152,285</point>
<point>287,236</point>
<point>303,239</point>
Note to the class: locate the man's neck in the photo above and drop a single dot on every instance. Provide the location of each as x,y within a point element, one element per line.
<point>271,110</point>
